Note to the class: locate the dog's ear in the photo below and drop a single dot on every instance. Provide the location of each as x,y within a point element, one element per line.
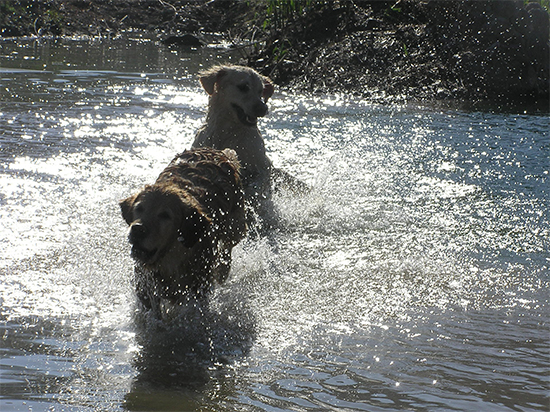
<point>268,88</point>
<point>193,227</point>
<point>126,207</point>
<point>209,79</point>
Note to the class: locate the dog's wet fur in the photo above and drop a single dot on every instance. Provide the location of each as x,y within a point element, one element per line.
<point>184,226</point>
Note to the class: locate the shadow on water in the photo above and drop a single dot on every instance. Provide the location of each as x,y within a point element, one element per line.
<point>187,357</point>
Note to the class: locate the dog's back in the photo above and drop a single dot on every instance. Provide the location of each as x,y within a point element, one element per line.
<point>213,178</point>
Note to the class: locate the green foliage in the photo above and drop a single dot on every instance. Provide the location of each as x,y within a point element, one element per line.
<point>53,17</point>
<point>277,16</point>
<point>280,50</point>
<point>27,17</point>
<point>280,12</point>
<point>544,3</point>
<point>7,8</point>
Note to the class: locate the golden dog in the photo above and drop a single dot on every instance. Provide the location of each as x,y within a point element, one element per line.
<point>183,227</point>
<point>238,96</point>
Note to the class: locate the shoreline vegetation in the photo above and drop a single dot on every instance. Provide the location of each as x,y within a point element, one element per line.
<point>399,50</point>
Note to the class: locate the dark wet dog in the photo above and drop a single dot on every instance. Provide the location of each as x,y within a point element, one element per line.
<point>183,227</point>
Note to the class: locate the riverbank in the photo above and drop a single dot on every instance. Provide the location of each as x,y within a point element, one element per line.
<point>405,50</point>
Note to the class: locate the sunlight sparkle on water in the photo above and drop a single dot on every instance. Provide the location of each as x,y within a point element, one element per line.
<point>413,275</point>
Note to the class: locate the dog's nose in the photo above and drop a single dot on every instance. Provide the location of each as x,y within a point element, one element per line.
<point>137,232</point>
<point>260,109</point>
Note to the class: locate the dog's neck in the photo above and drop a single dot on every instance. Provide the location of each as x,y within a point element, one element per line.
<point>178,268</point>
<point>170,264</point>
<point>220,130</point>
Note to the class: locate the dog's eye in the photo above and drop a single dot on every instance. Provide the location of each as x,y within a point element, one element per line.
<point>139,208</point>
<point>245,88</point>
<point>164,216</point>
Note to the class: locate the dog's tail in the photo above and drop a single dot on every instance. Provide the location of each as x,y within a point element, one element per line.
<point>282,180</point>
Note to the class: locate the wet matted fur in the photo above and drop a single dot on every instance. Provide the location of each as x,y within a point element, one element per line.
<point>183,227</point>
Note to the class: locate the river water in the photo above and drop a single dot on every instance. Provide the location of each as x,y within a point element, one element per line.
<point>414,276</point>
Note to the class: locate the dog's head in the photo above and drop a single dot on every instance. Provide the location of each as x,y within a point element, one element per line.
<point>238,91</point>
<point>158,218</point>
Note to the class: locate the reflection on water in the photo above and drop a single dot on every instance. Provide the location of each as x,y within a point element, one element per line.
<point>414,276</point>
<point>189,353</point>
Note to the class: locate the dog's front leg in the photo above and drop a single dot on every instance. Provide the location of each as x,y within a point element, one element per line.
<point>146,289</point>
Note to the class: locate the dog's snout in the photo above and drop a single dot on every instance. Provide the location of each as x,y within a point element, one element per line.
<point>260,109</point>
<point>137,232</point>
